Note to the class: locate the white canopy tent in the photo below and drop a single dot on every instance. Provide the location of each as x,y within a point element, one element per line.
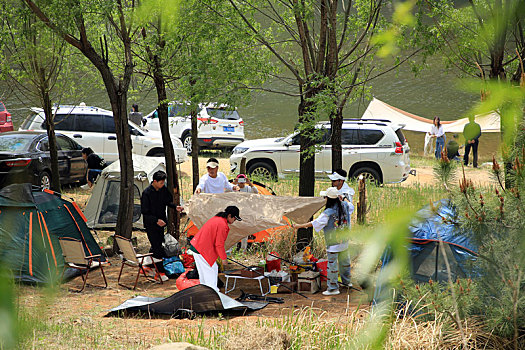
<point>380,110</point>
<point>102,208</point>
<point>258,212</point>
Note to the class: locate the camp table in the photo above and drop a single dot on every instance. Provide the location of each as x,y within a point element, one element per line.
<point>236,277</point>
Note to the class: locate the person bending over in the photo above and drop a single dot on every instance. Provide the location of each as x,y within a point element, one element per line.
<point>95,165</point>
<point>208,245</point>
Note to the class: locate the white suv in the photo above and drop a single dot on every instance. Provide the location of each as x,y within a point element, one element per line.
<point>94,127</point>
<point>218,125</point>
<point>375,148</point>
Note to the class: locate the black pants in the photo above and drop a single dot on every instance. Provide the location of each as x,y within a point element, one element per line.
<point>474,147</point>
<point>156,238</point>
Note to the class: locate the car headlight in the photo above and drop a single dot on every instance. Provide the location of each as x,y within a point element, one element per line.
<point>239,150</point>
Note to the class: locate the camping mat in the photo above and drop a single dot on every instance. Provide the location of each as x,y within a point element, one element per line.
<point>197,299</point>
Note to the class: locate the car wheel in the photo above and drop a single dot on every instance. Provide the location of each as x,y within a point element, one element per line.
<point>186,142</point>
<point>44,180</point>
<point>369,174</point>
<point>262,171</point>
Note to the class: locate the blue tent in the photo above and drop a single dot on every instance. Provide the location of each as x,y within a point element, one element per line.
<point>426,258</point>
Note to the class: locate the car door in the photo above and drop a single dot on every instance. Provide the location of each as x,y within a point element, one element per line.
<point>351,148</point>
<point>63,166</point>
<point>72,153</point>
<point>109,139</point>
<point>89,132</point>
<point>290,158</point>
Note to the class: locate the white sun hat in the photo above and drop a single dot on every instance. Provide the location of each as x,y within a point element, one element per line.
<point>212,165</point>
<point>335,176</point>
<point>331,192</point>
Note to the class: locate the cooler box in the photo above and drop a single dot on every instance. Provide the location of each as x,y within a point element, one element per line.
<point>309,282</point>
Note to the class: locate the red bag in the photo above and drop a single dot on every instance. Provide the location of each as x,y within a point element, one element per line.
<point>188,261</point>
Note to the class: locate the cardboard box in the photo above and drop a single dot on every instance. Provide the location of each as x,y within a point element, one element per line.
<point>309,282</point>
<point>252,272</point>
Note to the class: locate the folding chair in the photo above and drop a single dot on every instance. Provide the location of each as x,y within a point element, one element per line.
<point>75,257</point>
<point>132,259</point>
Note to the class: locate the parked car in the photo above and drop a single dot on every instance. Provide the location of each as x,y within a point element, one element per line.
<point>94,127</point>
<point>219,126</point>
<point>376,149</point>
<point>6,124</point>
<point>24,157</point>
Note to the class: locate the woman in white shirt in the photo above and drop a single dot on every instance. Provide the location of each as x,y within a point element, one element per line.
<point>214,181</point>
<point>438,133</point>
<point>335,217</point>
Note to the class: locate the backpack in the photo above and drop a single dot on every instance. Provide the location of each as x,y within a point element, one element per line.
<point>171,246</point>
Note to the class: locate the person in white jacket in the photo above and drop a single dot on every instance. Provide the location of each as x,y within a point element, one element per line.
<point>214,181</point>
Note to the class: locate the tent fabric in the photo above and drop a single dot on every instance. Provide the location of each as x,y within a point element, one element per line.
<point>102,208</point>
<point>380,110</point>
<point>29,232</point>
<point>429,227</point>
<point>258,212</point>
<point>198,299</point>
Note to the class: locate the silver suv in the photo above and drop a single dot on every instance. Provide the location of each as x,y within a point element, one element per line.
<point>375,148</point>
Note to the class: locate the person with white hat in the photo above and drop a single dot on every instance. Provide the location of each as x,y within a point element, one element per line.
<point>338,178</point>
<point>214,181</point>
<point>333,219</point>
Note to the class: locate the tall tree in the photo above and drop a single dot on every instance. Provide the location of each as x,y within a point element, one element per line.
<point>327,47</point>
<point>154,51</point>
<point>33,62</point>
<point>102,32</point>
<point>208,62</point>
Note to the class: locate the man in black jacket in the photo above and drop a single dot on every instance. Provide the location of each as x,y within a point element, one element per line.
<point>153,202</point>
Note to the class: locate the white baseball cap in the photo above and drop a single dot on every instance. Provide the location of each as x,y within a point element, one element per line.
<point>331,192</point>
<point>335,176</point>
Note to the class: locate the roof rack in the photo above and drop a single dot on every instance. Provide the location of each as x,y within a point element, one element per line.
<point>367,120</point>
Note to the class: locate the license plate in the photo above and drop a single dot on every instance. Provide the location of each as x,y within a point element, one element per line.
<point>228,128</point>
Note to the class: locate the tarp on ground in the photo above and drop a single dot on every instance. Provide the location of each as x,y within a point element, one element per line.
<point>102,208</point>
<point>30,224</point>
<point>198,299</point>
<point>258,212</point>
<point>380,110</point>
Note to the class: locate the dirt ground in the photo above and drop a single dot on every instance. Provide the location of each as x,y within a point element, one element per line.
<point>90,307</point>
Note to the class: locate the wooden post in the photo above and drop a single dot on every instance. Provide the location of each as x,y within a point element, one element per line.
<point>361,205</point>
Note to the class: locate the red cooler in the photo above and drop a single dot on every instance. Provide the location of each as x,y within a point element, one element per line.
<point>273,263</point>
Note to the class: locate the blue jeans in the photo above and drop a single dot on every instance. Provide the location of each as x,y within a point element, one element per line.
<point>440,144</point>
<point>338,262</point>
<point>93,174</point>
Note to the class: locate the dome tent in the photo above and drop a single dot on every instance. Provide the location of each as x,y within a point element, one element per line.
<point>432,225</point>
<point>102,208</point>
<point>30,224</point>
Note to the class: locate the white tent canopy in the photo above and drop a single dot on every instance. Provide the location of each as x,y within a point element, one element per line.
<point>258,212</point>
<point>102,208</point>
<point>380,110</point>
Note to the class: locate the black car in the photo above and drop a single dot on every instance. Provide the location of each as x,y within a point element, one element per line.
<point>24,157</point>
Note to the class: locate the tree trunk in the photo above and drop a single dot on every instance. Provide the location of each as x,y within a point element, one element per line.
<point>336,122</point>
<point>361,205</point>
<point>306,166</point>
<point>194,150</point>
<point>169,154</point>
<point>53,148</point>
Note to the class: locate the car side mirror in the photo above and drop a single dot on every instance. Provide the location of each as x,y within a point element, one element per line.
<point>288,143</point>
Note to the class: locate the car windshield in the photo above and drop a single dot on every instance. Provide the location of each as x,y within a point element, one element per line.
<point>220,113</point>
<point>15,143</point>
<point>2,108</point>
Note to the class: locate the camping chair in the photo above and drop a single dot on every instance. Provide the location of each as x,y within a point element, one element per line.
<point>75,257</point>
<point>131,258</point>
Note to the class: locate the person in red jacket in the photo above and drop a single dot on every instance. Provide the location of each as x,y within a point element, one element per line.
<point>208,245</point>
